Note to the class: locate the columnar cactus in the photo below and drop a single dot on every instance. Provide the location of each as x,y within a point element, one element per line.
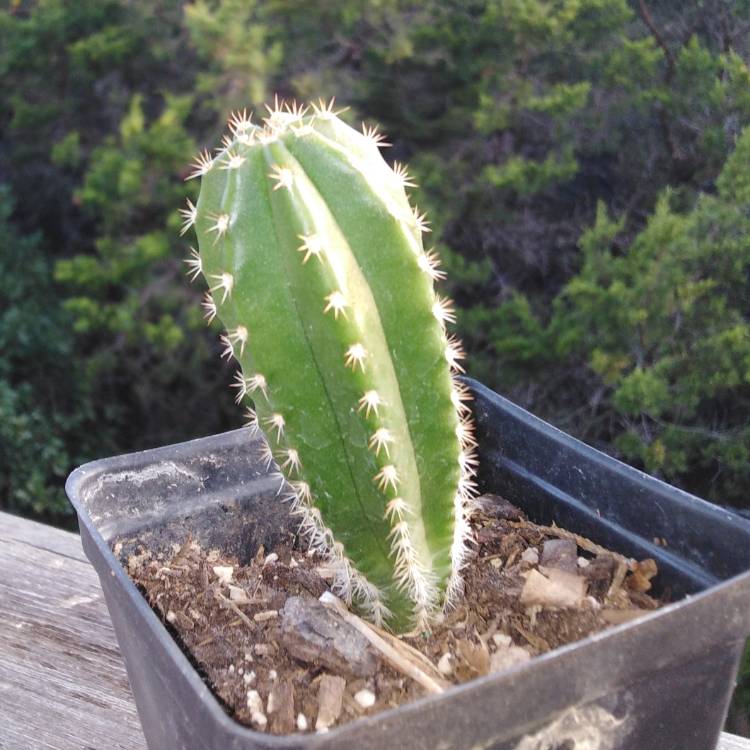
<point>315,266</point>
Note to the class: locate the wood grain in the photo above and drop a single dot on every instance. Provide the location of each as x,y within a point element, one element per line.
<point>62,681</point>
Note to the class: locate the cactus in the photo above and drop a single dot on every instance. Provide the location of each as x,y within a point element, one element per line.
<point>316,268</point>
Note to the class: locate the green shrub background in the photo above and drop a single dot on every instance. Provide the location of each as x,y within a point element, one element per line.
<point>585,165</point>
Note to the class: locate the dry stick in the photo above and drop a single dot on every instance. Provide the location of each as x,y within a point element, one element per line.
<point>391,654</point>
<point>617,578</point>
<point>411,652</point>
<point>229,603</point>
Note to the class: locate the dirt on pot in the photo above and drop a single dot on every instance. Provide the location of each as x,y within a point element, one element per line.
<point>283,656</point>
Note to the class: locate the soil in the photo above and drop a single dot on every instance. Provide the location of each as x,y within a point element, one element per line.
<point>277,659</point>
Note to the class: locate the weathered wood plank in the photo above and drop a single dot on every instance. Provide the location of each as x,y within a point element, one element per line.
<point>62,681</point>
<point>39,535</point>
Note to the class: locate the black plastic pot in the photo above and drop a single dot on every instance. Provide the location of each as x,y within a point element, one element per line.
<point>661,682</point>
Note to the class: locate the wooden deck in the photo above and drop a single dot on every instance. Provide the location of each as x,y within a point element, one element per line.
<point>62,681</point>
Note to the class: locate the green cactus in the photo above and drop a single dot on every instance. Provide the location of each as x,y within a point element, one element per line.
<point>315,266</point>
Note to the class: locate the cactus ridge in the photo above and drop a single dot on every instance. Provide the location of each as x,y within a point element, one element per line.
<point>315,265</point>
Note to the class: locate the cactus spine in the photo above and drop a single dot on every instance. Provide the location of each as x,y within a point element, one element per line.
<point>315,266</point>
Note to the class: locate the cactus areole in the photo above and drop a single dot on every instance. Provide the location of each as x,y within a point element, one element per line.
<point>315,266</point>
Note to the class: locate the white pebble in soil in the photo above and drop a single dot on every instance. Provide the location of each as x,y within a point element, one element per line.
<point>224,573</point>
<point>365,698</point>
<point>255,704</point>
<point>501,640</point>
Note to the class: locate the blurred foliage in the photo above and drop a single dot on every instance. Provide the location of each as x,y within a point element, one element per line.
<point>584,164</point>
<point>40,432</point>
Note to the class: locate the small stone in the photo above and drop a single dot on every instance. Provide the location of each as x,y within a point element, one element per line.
<point>301,722</point>
<point>561,554</point>
<point>231,669</point>
<point>530,555</point>
<point>551,587</point>
<point>171,616</point>
<point>263,649</point>
<point>273,674</point>
<point>501,640</point>
<point>269,614</point>
<point>496,562</point>
<point>259,719</point>
<point>508,657</point>
<point>582,562</point>
<point>330,701</point>
<point>213,555</point>
<point>294,564</point>
<point>315,634</point>
<point>223,573</point>
<point>248,656</point>
<point>445,665</point>
<point>249,677</point>
<point>255,704</point>
<point>272,558</point>
<point>496,506</point>
<point>365,698</point>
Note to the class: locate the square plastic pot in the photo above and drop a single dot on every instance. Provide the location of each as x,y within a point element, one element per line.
<point>659,682</point>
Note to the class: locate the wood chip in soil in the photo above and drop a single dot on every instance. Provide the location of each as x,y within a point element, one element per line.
<point>280,661</point>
